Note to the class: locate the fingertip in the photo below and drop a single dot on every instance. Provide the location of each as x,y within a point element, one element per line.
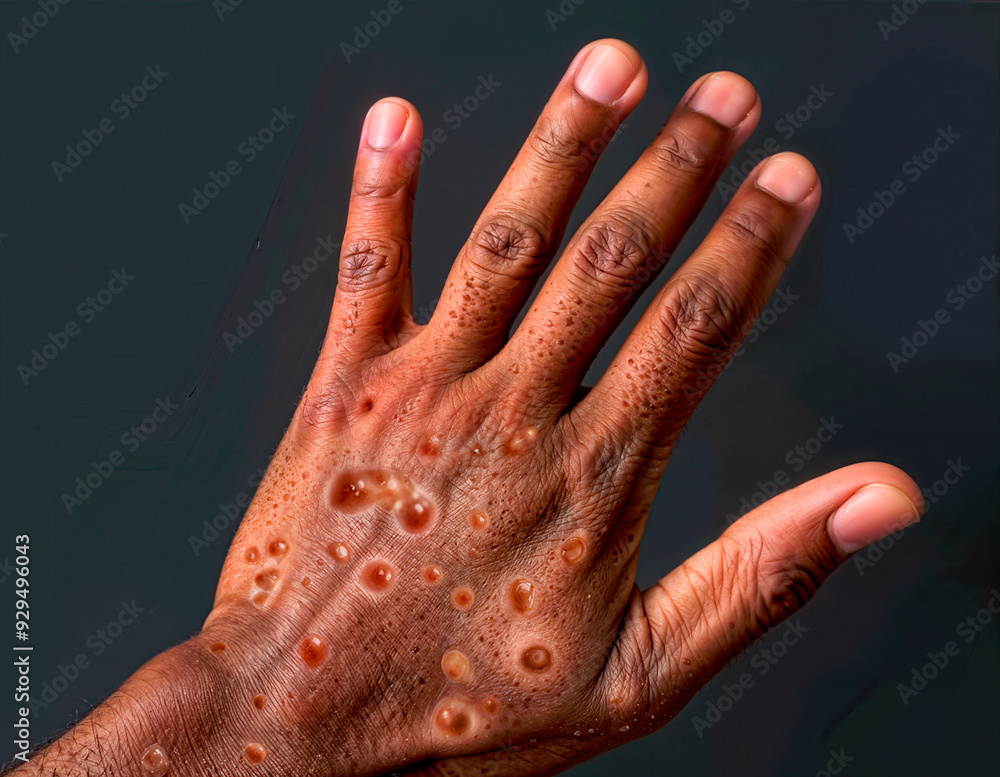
<point>872,472</point>
<point>391,122</point>
<point>870,514</point>
<point>725,97</point>
<point>610,72</point>
<point>788,177</point>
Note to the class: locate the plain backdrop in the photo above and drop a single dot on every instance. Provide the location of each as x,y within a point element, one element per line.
<point>892,82</point>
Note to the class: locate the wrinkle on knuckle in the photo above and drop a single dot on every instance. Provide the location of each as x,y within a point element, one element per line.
<point>508,246</point>
<point>676,151</point>
<point>702,324</point>
<point>554,144</point>
<point>785,585</point>
<point>380,182</point>
<point>366,263</point>
<point>611,251</point>
<point>748,231</point>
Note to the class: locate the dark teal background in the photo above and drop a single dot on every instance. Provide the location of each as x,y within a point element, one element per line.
<point>836,689</point>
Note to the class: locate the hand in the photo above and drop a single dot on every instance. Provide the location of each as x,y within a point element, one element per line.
<point>436,576</point>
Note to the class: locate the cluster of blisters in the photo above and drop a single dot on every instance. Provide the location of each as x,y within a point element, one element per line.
<point>358,490</point>
<point>266,579</point>
<point>154,761</point>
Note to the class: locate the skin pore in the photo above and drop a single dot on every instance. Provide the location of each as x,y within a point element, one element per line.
<point>436,576</point>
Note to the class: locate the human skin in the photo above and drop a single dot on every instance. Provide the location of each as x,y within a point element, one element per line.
<point>436,576</point>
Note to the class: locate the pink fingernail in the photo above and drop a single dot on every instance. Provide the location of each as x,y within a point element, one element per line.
<point>386,122</point>
<point>725,97</point>
<point>605,75</point>
<point>874,512</point>
<point>788,177</point>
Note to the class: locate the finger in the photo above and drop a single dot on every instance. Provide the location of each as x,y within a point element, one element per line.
<point>374,261</point>
<point>688,334</point>
<point>628,239</point>
<point>523,223</point>
<point>767,565</point>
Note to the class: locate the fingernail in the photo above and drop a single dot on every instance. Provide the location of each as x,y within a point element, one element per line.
<point>386,122</point>
<point>874,512</point>
<point>725,97</point>
<point>605,75</point>
<point>788,177</point>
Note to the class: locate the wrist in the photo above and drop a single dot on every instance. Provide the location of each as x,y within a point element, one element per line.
<point>163,708</point>
<point>202,708</point>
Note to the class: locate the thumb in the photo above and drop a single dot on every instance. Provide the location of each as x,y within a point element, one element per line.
<point>762,569</point>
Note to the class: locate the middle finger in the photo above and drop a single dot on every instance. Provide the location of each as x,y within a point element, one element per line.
<point>627,240</point>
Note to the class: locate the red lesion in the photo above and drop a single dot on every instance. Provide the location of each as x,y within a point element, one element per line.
<point>255,753</point>
<point>522,595</point>
<point>463,598</point>
<point>313,650</point>
<point>354,491</point>
<point>378,575</point>
<point>536,658</point>
<point>454,717</point>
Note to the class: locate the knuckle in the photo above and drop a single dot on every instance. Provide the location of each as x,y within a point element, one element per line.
<point>703,325</point>
<point>612,250</point>
<point>678,152</point>
<point>781,584</point>
<point>553,144</point>
<point>380,181</point>
<point>750,231</point>
<point>508,246</point>
<point>367,263</point>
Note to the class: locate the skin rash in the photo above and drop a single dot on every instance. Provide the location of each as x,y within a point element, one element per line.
<point>436,574</point>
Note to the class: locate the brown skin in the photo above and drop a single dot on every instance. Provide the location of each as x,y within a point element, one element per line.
<point>528,479</point>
